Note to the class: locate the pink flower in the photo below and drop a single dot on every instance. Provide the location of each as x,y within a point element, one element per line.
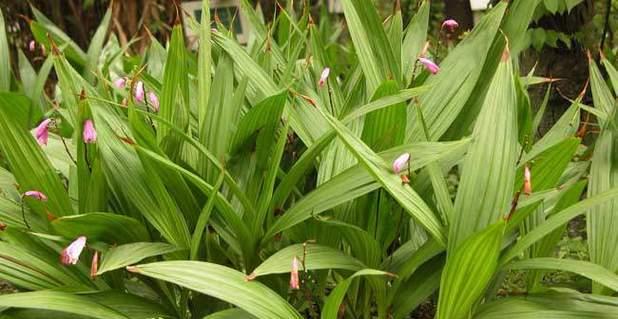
<point>70,255</point>
<point>120,83</point>
<point>294,281</point>
<point>450,25</point>
<point>36,195</point>
<point>139,92</point>
<point>94,266</point>
<point>153,100</point>
<point>400,162</point>
<point>89,134</point>
<point>324,76</point>
<point>32,45</point>
<point>42,132</point>
<point>429,65</point>
<point>527,181</point>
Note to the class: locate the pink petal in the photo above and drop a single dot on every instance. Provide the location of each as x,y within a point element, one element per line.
<point>139,92</point>
<point>89,134</point>
<point>450,24</point>
<point>429,65</point>
<point>41,132</point>
<point>324,76</point>
<point>70,255</point>
<point>154,101</point>
<point>36,195</point>
<point>400,162</point>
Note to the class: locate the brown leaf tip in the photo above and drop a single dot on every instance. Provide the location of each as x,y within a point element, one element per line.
<point>250,277</point>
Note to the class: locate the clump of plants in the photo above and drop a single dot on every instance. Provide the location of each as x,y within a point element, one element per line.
<point>301,176</point>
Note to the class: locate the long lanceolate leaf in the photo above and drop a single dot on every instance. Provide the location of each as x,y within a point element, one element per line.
<point>489,168</point>
<point>60,301</point>
<point>468,270</point>
<point>311,255</point>
<point>30,166</point>
<point>5,62</point>
<point>175,94</point>
<point>602,221</point>
<point>556,221</point>
<point>458,75</point>
<point>223,283</point>
<point>381,171</point>
<point>587,269</point>
<point>372,46</point>
<point>334,300</point>
<point>145,191</point>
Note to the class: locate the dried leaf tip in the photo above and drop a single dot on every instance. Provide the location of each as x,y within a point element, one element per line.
<point>133,269</point>
<point>250,277</point>
<point>506,54</point>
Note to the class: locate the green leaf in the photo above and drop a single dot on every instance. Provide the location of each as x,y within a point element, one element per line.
<point>204,62</point>
<point>357,181</point>
<point>262,118</point>
<point>222,283</point>
<point>557,220</point>
<point>612,72</point>
<point>60,301</point>
<point>315,257</point>
<point>601,221</point>
<point>414,40</point>
<point>459,72</point>
<point>175,92</point>
<point>108,227</point>
<point>381,171</point>
<point>589,270</point>
<point>96,46</point>
<point>5,61</point>
<point>601,95</point>
<point>476,257</point>
<point>29,165</point>
<point>385,128</point>
<point>233,313</point>
<point>486,186</point>
<point>129,254</point>
<point>371,43</point>
<point>330,309</point>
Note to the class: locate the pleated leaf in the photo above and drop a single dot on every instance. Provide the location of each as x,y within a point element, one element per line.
<point>468,270</point>
<point>108,227</point>
<point>129,254</point>
<point>315,257</point>
<point>486,186</point>
<point>60,301</point>
<point>222,283</point>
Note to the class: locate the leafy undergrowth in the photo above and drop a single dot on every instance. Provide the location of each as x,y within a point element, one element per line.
<point>304,174</point>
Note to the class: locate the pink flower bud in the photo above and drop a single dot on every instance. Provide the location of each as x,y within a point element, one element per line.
<point>450,24</point>
<point>154,101</point>
<point>41,133</point>
<point>32,45</point>
<point>324,76</point>
<point>89,134</point>
<point>294,281</point>
<point>36,195</point>
<point>120,83</point>
<point>527,181</point>
<point>400,162</point>
<point>70,255</point>
<point>429,65</point>
<point>139,92</point>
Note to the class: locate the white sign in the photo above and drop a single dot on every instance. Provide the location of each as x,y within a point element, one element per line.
<point>477,5</point>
